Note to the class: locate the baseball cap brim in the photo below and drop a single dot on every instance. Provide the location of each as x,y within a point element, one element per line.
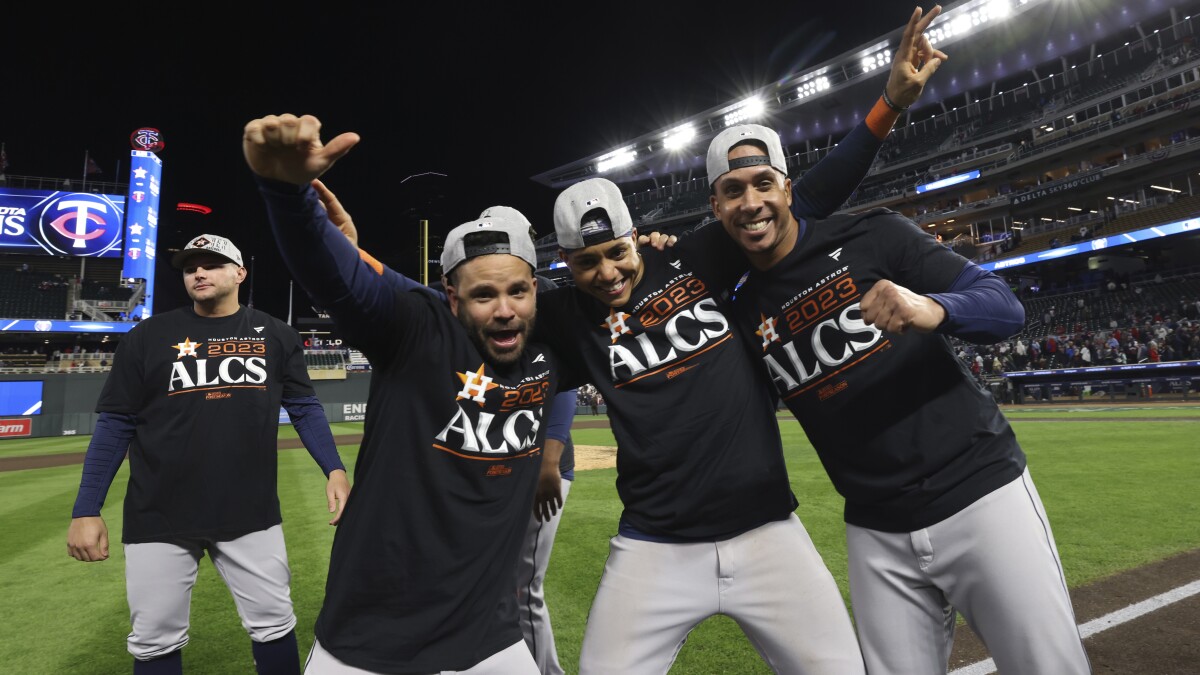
<point>180,259</point>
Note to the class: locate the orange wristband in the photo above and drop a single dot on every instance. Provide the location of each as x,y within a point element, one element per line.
<point>881,118</point>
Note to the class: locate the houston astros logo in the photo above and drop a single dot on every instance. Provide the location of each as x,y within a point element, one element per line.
<point>615,323</point>
<point>475,385</point>
<point>767,330</point>
<point>186,348</point>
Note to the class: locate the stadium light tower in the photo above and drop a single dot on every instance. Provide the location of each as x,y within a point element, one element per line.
<point>616,159</point>
<point>679,137</point>
<point>748,109</point>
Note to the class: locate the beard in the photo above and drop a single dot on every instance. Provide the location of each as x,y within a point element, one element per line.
<point>481,334</point>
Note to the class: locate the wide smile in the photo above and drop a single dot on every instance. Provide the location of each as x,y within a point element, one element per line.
<point>613,290</point>
<point>757,226</point>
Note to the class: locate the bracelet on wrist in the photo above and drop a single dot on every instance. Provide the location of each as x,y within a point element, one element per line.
<point>892,104</point>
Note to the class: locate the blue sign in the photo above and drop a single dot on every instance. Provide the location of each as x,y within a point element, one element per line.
<point>1146,367</point>
<point>141,225</point>
<point>20,398</point>
<point>43,222</point>
<point>1156,232</point>
<point>56,326</point>
<point>947,182</point>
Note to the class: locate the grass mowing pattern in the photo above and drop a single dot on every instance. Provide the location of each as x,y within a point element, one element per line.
<point>1119,495</point>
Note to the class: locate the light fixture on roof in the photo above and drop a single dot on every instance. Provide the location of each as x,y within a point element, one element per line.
<point>1165,189</point>
<point>746,110</point>
<point>812,86</point>
<point>615,159</point>
<point>679,137</point>
<point>879,59</point>
<point>1072,208</point>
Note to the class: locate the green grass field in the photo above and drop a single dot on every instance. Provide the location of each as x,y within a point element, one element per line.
<point>1120,493</point>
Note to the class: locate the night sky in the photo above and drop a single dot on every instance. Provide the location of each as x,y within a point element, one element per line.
<point>487,96</point>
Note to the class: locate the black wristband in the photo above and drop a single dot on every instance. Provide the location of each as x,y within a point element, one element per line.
<point>889,103</point>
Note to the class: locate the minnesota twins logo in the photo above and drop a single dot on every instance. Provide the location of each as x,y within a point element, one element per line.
<point>147,138</point>
<point>80,224</point>
<point>615,323</point>
<point>475,385</point>
<point>766,329</point>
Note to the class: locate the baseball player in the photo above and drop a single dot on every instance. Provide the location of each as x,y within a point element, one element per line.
<point>851,316</point>
<point>422,568</point>
<point>558,464</point>
<point>194,394</point>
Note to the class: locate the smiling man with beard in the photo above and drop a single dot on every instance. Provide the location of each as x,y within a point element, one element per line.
<point>421,572</point>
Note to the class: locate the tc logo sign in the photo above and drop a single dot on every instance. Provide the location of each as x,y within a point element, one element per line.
<point>80,224</point>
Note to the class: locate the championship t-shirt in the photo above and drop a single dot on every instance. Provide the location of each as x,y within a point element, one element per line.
<point>422,567</point>
<point>699,455</point>
<point>205,393</point>
<point>906,435</point>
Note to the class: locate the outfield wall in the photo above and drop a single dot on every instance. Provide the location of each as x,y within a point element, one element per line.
<point>69,403</point>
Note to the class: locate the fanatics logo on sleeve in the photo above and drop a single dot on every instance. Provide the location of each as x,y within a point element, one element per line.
<point>259,329</point>
<point>836,254</point>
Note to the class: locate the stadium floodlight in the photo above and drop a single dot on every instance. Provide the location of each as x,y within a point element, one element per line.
<point>746,110</point>
<point>615,159</point>
<point>879,59</point>
<point>812,86</point>
<point>1165,189</point>
<point>1072,208</point>
<point>679,137</point>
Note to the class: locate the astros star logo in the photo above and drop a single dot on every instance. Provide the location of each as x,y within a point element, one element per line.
<point>475,385</point>
<point>767,330</point>
<point>616,324</point>
<point>187,348</point>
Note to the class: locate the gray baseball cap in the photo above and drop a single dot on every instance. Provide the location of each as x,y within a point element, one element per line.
<point>207,243</point>
<point>508,213</point>
<point>718,150</point>
<point>515,240</point>
<point>591,212</point>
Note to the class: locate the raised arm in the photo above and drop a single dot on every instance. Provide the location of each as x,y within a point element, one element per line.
<point>286,154</point>
<point>341,219</point>
<point>824,188</point>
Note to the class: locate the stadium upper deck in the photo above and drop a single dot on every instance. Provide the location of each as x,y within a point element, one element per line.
<point>1073,114</point>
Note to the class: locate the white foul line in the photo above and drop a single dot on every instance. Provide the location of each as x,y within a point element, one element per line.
<point>1105,622</point>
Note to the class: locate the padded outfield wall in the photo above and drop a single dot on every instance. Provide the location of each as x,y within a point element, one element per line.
<point>69,401</point>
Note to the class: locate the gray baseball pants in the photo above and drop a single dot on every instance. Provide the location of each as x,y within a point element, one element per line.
<point>995,562</point>
<point>159,578</point>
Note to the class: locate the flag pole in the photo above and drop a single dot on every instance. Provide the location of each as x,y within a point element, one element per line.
<point>85,165</point>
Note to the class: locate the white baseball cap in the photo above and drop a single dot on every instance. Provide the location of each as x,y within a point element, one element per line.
<point>207,243</point>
